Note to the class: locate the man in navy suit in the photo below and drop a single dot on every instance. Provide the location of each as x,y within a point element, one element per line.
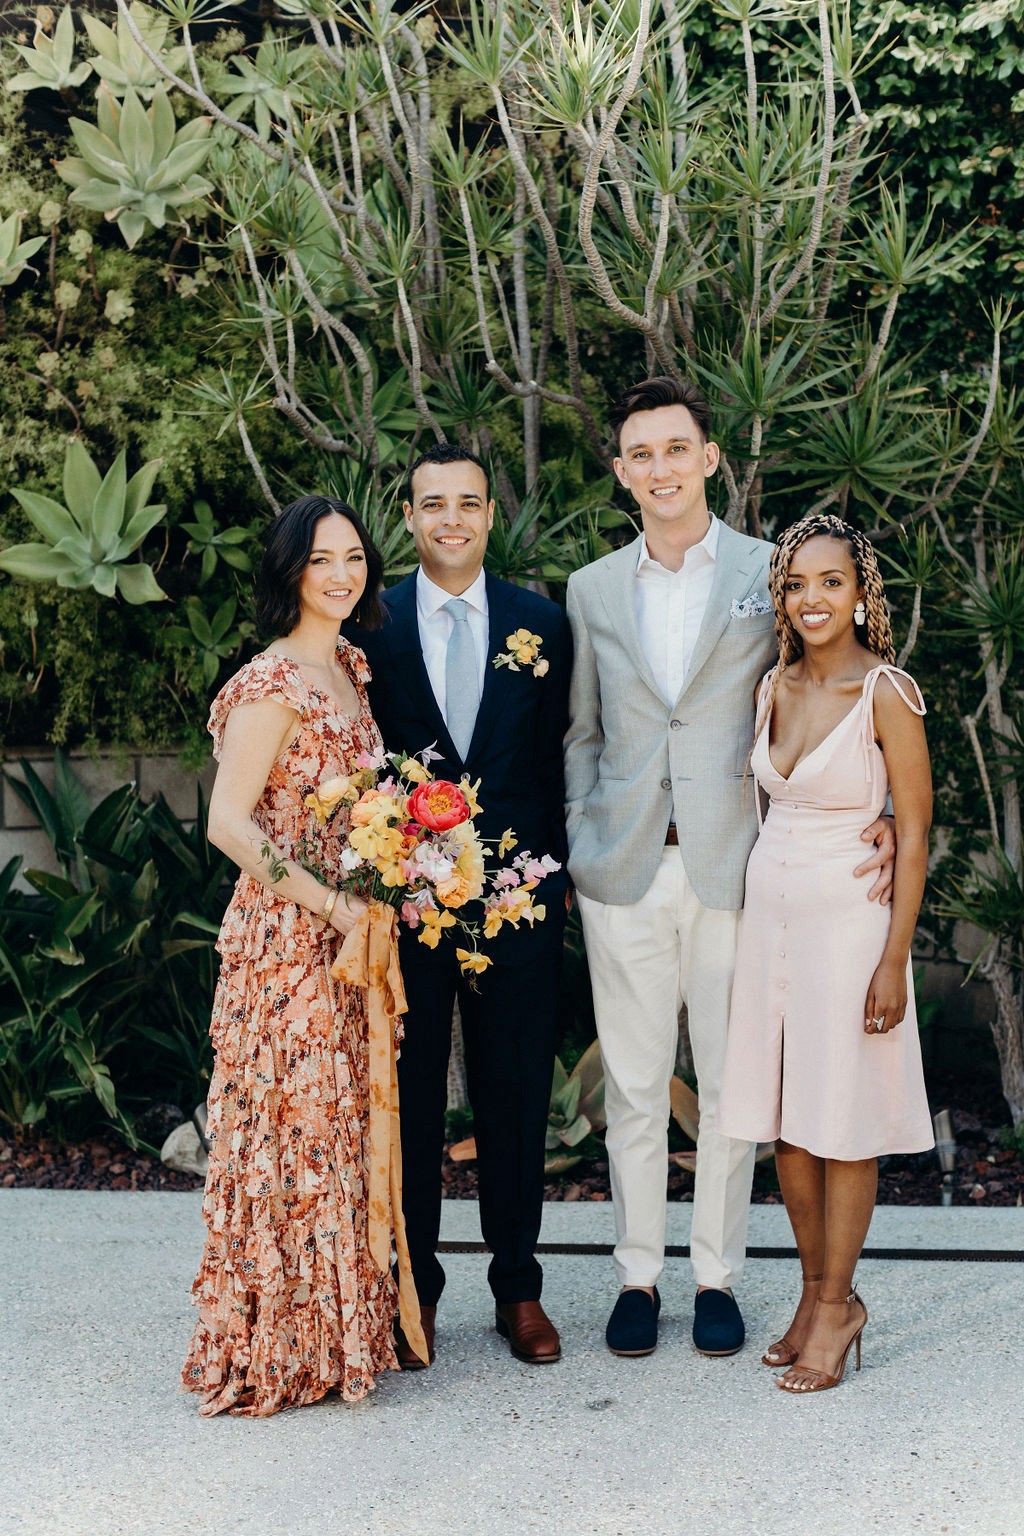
<point>511,725</point>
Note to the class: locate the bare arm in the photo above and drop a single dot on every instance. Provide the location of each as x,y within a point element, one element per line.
<point>254,735</point>
<point>901,735</point>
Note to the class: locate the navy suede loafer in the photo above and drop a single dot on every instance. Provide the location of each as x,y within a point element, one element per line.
<point>633,1326</point>
<point>717,1324</point>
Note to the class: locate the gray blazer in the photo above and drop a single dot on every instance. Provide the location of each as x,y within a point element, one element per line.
<point>630,757</point>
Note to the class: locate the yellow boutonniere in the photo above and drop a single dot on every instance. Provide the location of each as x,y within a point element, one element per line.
<point>523,651</point>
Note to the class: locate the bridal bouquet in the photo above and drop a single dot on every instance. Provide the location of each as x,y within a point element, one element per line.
<point>413,845</point>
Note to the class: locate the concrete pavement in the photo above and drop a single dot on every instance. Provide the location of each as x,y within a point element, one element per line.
<point>927,1439</point>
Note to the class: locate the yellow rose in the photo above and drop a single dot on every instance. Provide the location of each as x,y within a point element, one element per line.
<point>325,799</point>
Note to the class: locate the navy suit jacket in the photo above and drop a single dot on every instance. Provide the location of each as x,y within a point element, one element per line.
<point>516,750</point>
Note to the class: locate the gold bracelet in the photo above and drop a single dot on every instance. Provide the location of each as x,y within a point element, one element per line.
<point>329,904</point>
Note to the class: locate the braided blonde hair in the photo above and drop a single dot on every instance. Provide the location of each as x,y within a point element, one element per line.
<point>875,635</point>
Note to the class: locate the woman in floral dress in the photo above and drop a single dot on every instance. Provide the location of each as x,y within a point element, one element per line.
<point>292,1302</point>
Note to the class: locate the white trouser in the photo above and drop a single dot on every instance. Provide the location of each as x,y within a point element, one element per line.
<point>645,961</point>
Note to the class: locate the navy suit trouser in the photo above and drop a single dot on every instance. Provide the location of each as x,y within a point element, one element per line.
<point>509,1030</point>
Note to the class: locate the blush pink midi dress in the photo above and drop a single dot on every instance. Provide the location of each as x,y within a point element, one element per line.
<point>799,1065</point>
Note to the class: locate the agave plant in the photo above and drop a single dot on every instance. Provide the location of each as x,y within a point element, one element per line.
<point>89,539</point>
<point>135,166</point>
<point>50,60</point>
<point>15,252</point>
<point>121,63</point>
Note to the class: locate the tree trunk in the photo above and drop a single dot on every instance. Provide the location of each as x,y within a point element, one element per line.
<point>1008,1030</point>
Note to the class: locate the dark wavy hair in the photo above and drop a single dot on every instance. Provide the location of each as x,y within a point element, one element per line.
<point>286,555</point>
<point>651,395</point>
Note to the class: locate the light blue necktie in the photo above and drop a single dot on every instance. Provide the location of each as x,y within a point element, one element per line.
<point>461,678</point>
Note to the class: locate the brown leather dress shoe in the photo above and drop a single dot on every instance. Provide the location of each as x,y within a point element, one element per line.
<point>408,1359</point>
<point>531,1334</point>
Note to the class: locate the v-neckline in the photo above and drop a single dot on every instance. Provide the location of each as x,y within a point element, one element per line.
<point>786,777</point>
<point>338,712</point>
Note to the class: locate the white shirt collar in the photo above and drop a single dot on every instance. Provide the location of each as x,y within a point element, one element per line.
<point>430,598</point>
<point>708,546</point>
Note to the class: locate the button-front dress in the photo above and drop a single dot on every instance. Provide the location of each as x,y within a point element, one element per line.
<point>291,1303</point>
<point>799,1064</point>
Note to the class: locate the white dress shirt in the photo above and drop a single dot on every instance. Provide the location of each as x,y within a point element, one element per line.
<point>670,607</point>
<point>435,626</point>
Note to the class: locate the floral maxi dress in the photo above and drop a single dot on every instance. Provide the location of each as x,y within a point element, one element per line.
<point>291,1303</point>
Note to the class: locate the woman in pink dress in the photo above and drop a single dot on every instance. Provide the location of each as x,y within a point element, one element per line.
<point>823,1055</point>
<point>292,1301</point>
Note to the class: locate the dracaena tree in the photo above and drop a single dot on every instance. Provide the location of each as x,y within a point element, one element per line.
<point>519,211</point>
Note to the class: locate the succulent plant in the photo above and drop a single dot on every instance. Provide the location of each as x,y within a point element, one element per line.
<point>120,62</point>
<point>211,543</point>
<point>135,166</point>
<point>210,636</point>
<point>88,540</point>
<point>50,60</point>
<point>269,85</point>
<point>15,252</point>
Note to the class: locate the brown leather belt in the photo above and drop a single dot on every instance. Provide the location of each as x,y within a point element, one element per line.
<point>672,836</point>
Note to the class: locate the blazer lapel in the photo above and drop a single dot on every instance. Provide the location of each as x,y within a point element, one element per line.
<point>401,632</point>
<point>735,567</point>
<point>501,621</point>
<point>618,593</point>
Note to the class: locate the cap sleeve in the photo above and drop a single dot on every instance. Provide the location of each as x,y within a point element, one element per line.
<point>354,661</point>
<point>265,677</point>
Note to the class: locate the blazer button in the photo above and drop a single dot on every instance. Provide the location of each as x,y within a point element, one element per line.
<point>666,783</point>
<point>676,725</point>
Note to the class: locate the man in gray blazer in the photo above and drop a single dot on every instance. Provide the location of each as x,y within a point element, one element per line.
<point>671,636</point>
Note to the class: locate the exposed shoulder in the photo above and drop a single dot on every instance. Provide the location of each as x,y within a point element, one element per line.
<point>892,693</point>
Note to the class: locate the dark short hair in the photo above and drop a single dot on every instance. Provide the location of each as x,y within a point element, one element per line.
<point>652,394</point>
<point>446,453</point>
<point>286,555</point>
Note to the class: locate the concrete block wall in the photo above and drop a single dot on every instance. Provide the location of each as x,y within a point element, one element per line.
<point>20,832</point>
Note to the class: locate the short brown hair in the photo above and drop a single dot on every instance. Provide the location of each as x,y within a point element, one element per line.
<point>652,394</point>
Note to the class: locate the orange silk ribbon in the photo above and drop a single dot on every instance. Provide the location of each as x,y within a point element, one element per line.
<point>369,958</point>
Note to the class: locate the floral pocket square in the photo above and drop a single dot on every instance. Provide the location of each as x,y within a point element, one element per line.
<point>752,607</point>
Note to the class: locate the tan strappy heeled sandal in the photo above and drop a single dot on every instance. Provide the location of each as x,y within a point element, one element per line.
<point>821,1381</point>
<point>789,1352</point>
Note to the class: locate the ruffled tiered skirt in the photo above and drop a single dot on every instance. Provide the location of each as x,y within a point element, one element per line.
<point>291,1303</point>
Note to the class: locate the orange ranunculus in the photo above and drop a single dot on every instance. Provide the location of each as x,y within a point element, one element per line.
<point>439,806</point>
<point>454,892</point>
